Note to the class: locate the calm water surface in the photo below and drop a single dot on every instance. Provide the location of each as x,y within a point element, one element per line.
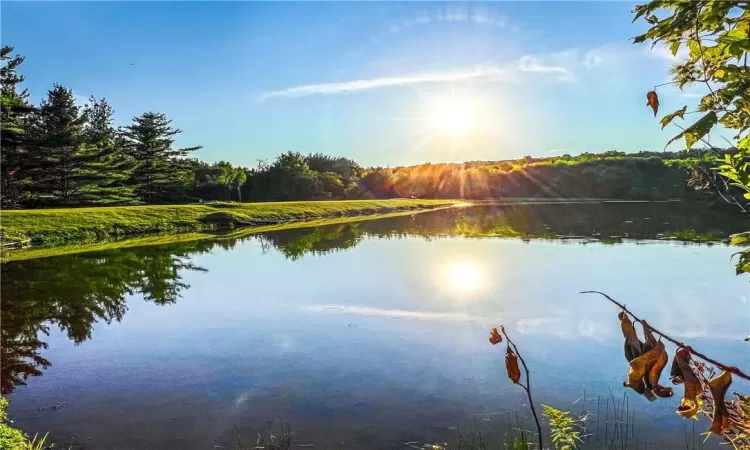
<point>367,334</point>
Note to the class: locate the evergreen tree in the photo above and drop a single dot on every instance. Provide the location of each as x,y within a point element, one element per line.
<point>14,110</point>
<point>150,141</point>
<point>110,168</point>
<point>63,168</point>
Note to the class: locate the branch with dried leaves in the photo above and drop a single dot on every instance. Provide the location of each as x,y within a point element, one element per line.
<point>729,419</point>
<point>731,369</point>
<point>514,374</point>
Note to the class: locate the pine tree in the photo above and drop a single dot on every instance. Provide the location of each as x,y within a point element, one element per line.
<point>150,141</point>
<point>62,171</point>
<point>14,110</point>
<point>110,168</point>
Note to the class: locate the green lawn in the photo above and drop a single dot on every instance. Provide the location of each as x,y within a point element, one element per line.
<point>45,251</point>
<point>59,226</point>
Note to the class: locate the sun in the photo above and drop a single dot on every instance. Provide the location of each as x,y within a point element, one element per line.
<point>452,116</point>
<point>463,276</point>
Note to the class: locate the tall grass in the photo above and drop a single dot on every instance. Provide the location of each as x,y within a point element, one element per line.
<point>605,422</point>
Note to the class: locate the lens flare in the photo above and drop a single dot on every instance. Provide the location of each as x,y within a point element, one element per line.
<point>463,276</point>
<point>452,116</point>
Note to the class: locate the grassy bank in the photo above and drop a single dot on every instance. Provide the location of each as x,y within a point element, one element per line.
<point>60,226</point>
<point>45,251</point>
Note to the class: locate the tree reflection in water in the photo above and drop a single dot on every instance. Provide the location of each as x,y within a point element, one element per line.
<point>74,292</point>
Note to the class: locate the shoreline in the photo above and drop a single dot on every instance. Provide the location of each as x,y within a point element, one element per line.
<point>45,251</point>
<point>56,227</point>
<point>215,221</point>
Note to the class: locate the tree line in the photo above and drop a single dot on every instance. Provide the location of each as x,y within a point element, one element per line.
<point>60,154</point>
<point>619,175</point>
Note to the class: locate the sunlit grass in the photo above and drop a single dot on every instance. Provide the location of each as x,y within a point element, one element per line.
<point>45,251</point>
<point>58,226</point>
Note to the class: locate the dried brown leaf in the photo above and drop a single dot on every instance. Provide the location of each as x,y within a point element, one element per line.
<point>681,373</point>
<point>637,375</point>
<point>495,337</point>
<point>633,346</point>
<point>719,385</point>
<point>511,366</point>
<point>652,100</point>
<point>654,372</point>
<point>649,336</point>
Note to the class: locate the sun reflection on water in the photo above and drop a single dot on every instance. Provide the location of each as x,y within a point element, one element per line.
<point>463,276</point>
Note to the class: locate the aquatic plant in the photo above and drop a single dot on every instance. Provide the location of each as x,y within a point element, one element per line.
<point>270,439</point>
<point>566,429</point>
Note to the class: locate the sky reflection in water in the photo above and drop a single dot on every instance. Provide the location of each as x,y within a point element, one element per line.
<point>382,342</point>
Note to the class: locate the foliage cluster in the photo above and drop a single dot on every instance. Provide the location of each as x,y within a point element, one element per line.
<point>617,175</point>
<point>293,176</point>
<point>716,35</point>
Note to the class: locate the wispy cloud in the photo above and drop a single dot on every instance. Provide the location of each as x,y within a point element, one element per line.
<point>561,67</point>
<point>399,313</point>
<point>497,73</point>
<point>399,80</point>
<point>534,64</point>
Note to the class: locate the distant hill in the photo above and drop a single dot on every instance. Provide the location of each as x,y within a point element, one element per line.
<point>616,175</point>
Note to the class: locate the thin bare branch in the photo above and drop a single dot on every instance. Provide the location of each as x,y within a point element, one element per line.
<point>664,84</point>
<point>527,387</point>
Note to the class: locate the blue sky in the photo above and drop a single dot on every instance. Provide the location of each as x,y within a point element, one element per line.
<point>362,80</point>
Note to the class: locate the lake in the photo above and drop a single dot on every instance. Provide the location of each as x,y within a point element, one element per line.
<point>369,334</point>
